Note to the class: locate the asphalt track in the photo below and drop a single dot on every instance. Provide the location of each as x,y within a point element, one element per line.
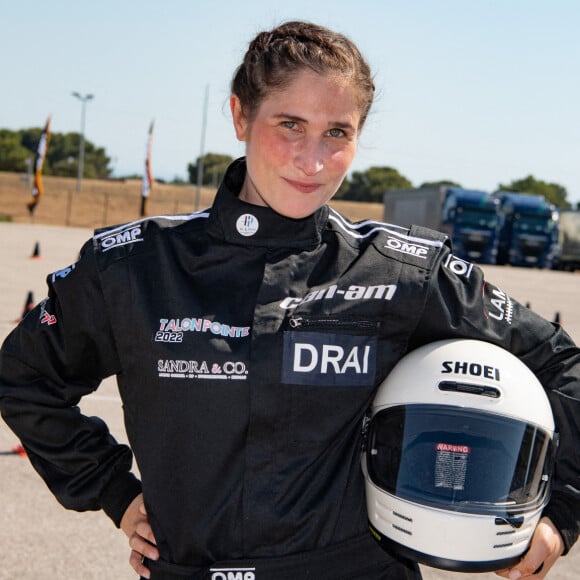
<point>40,539</point>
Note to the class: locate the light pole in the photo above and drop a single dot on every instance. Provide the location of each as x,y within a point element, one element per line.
<point>83,101</point>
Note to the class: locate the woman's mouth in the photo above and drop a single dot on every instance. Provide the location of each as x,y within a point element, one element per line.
<point>303,186</point>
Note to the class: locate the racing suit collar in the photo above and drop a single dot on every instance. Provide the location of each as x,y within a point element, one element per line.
<point>238,222</point>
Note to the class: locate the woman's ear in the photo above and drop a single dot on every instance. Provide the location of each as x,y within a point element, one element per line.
<point>240,121</point>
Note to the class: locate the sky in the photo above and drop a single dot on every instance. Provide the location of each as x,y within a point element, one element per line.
<point>482,92</point>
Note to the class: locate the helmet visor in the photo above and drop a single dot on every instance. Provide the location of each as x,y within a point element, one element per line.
<point>466,460</point>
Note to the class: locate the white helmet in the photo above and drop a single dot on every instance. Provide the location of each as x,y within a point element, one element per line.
<point>458,457</point>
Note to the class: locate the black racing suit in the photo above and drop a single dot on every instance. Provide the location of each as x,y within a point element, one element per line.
<point>247,348</point>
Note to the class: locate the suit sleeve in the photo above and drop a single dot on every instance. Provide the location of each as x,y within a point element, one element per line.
<point>60,352</point>
<point>461,303</point>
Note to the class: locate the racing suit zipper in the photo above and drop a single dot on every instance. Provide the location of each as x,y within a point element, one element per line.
<point>333,323</point>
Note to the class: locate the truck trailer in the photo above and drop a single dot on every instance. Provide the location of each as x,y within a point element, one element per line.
<point>568,256</point>
<point>528,230</point>
<point>468,216</point>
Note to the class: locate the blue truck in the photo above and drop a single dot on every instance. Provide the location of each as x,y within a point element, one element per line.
<point>468,216</point>
<point>528,230</point>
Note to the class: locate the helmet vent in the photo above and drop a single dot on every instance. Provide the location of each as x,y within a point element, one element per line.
<point>513,521</point>
<point>503,545</point>
<point>469,388</point>
<point>408,532</point>
<point>403,517</point>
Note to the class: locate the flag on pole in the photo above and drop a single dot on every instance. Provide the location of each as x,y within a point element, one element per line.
<point>38,188</point>
<point>147,176</point>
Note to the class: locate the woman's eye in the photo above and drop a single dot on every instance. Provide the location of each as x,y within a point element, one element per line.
<point>336,133</point>
<point>289,124</point>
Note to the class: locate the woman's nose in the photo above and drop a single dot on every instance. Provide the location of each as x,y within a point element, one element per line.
<point>309,158</point>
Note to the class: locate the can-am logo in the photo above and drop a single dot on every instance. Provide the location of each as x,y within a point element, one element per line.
<point>233,573</point>
<point>314,358</point>
<point>353,292</point>
<point>127,236</point>
<point>412,249</point>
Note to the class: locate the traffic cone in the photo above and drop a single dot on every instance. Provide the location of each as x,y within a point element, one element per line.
<point>36,252</point>
<point>557,318</point>
<point>28,306</point>
<point>19,450</point>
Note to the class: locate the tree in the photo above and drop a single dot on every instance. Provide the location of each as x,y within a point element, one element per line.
<point>61,155</point>
<point>553,192</point>
<point>214,168</point>
<point>370,185</point>
<point>13,154</point>
<point>443,182</point>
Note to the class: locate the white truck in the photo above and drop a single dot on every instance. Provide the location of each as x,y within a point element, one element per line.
<point>568,257</point>
<point>470,217</point>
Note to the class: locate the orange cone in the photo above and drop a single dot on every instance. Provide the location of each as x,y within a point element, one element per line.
<point>28,306</point>
<point>557,318</point>
<point>19,450</point>
<point>36,252</point>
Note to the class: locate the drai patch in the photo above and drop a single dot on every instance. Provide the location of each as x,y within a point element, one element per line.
<point>325,359</point>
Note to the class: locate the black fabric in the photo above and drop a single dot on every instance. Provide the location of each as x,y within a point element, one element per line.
<point>356,559</point>
<point>197,316</point>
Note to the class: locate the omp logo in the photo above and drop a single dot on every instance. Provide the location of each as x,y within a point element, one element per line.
<point>194,369</point>
<point>412,249</point>
<point>233,573</point>
<point>313,358</point>
<point>378,292</point>
<point>458,266</point>
<point>122,238</point>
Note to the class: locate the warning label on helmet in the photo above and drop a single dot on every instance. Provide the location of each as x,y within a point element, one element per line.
<point>451,465</point>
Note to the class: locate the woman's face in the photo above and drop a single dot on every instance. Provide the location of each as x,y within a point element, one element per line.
<point>300,143</point>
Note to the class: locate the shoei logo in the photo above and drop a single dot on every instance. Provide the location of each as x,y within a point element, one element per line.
<point>233,573</point>
<point>473,369</point>
<point>247,224</point>
<point>407,248</point>
<point>458,266</point>
<point>122,238</point>
<point>312,358</point>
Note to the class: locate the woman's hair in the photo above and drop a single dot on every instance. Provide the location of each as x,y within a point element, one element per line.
<point>274,57</point>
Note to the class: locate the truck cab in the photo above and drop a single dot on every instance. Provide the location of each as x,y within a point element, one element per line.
<point>528,230</point>
<point>470,217</point>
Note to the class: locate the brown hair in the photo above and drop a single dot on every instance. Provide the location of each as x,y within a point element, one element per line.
<point>274,57</point>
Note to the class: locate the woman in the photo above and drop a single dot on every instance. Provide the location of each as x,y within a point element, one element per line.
<point>219,325</point>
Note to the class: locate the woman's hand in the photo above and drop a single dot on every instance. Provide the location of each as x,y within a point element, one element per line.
<point>546,547</point>
<point>137,528</point>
